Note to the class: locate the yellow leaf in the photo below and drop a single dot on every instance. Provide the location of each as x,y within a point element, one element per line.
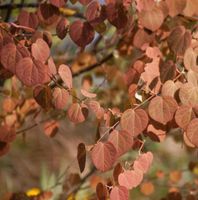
<point>33,192</point>
<point>67,11</point>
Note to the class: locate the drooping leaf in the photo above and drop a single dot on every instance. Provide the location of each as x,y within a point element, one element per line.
<point>162,109</point>
<point>130,178</point>
<point>43,96</point>
<point>167,71</point>
<point>169,88</point>
<point>188,94</point>
<point>143,162</point>
<point>116,14</point>
<point>40,50</point>
<point>175,6</point>
<point>60,97</point>
<point>31,72</point>
<point>95,13</point>
<point>48,14</point>
<point>77,113</point>
<point>101,191</point>
<point>116,172</point>
<point>121,140</point>
<point>179,40</point>
<point>96,108</point>
<point>87,93</point>
<point>134,121</point>
<point>66,75</point>
<point>81,33</point>
<point>28,19</point>
<point>119,193</point>
<point>190,59</point>
<point>184,115</point>
<point>151,19</point>
<point>62,28</point>
<point>81,156</point>
<point>103,155</point>
<point>192,130</point>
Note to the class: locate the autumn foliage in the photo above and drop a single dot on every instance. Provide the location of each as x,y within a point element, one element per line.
<point>142,52</point>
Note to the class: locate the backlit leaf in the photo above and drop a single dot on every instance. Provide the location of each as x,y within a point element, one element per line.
<point>162,109</point>
<point>119,193</point>
<point>66,75</point>
<point>77,113</point>
<point>134,121</point>
<point>121,140</point>
<point>130,178</point>
<point>103,156</point>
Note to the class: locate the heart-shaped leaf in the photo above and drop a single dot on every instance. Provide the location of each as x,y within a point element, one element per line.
<point>103,156</point>
<point>134,121</point>
<point>162,109</point>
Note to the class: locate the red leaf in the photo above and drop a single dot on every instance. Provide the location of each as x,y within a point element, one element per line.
<point>190,61</point>
<point>121,140</point>
<point>58,3</point>
<point>48,14</point>
<point>66,75</point>
<point>28,19</point>
<point>184,115</point>
<point>103,156</point>
<point>175,6</point>
<point>130,178</point>
<point>116,14</point>
<point>40,50</point>
<point>179,40</point>
<point>162,109</point>
<point>87,94</point>
<point>51,67</point>
<point>143,162</point>
<point>134,121</point>
<point>81,156</point>
<point>191,132</point>
<point>62,28</point>
<point>169,88</point>
<point>31,72</point>
<point>51,128</point>
<point>151,19</point>
<point>119,193</point>
<point>11,54</point>
<point>7,134</point>
<point>77,113</point>
<point>60,97</point>
<point>95,13</point>
<point>96,108</point>
<point>43,96</point>
<point>188,94</point>
<point>81,33</point>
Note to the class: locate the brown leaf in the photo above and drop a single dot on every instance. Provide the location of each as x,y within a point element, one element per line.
<point>101,191</point>
<point>179,40</point>
<point>81,156</point>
